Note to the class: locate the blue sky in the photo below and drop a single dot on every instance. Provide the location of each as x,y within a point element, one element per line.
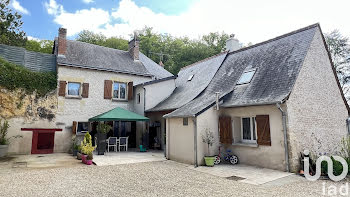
<point>251,20</point>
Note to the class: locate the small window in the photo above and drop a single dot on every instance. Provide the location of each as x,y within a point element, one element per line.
<point>185,121</point>
<point>83,127</point>
<point>73,89</point>
<point>138,98</point>
<point>190,78</point>
<point>246,77</point>
<point>119,90</point>
<point>249,130</point>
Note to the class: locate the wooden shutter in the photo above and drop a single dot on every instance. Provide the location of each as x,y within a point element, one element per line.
<point>74,127</point>
<point>225,129</point>
<point>263,130</point>
<point>130,90</point>
<point>62,88</point>
<point>85,93</point>
<point>108,89</point>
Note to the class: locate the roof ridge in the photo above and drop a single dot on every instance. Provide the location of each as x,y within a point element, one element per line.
<point>277,38</point>
<point>203,60</point>
<point>97,45</point>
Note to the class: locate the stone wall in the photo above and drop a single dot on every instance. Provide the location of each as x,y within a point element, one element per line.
<point>316,111</point>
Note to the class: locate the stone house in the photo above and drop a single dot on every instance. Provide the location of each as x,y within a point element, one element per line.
<point>267,103</point>
<point>92,80</point>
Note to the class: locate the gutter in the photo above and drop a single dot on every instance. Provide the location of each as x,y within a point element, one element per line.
<point>284,123</point>
<point>195,141</point>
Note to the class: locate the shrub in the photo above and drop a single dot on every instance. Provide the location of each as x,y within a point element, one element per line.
<point>86,145</point>
<point>103,128</point>
<point>14,77</point>
<point>4,125</point>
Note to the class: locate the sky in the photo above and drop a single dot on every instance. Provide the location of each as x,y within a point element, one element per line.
<point>250,20</point>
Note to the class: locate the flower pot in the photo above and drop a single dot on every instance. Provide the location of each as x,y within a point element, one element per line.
<point>209,161</point>
<point>75,152</point>
<point>3,150</point>
<point>79,156</point>
<point>88,162</point>
<point>83,158</point>
<point>101,147</point>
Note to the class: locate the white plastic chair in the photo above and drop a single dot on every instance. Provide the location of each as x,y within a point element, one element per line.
<point>123,142</point>
<point>112,142</point>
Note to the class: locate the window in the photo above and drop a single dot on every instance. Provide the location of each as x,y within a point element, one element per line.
<point>248,130</point>
<point>185,121</point>
<point>190,78</point>
<point>246,77</point>
<point>73,89</point>
<point>138,98</point>
<point>83,127</point>
<point>119,90</point>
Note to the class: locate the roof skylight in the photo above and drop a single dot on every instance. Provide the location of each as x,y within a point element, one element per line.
<point>190,78</point>
<point>246,77</point>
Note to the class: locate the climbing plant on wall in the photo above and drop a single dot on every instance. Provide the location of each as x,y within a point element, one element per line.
<point>14,77</point>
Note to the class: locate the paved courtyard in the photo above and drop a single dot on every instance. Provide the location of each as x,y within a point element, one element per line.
<point>160,178</point>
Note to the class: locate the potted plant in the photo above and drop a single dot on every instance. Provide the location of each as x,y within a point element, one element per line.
<point>4,141</point>
<point>74,146</point>
<point>208,138</point>
<point>87,149</point>
<point>102,130</point>
<point>89,159</point>
<point>79,153</point>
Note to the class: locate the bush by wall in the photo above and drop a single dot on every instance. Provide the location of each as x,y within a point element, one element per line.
<point>13,77</point>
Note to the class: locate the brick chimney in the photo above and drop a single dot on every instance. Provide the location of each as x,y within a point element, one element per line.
<point>134,48</point>
<point>62,41</point>
<point>232,44</point>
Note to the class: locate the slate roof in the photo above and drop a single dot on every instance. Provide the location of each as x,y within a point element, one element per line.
<point>85,55</point>
<point>185,91</point>
<point>277,63</point>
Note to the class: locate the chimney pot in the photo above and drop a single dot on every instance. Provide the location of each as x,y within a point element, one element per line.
<point>62,41</point>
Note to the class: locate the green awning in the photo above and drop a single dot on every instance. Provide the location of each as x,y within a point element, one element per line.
<point>119,114</point>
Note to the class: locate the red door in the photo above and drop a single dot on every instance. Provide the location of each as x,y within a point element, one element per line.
<point>43,142</point>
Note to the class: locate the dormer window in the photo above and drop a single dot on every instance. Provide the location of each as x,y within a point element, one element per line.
<point>246,77</point>
<point>190,78</point>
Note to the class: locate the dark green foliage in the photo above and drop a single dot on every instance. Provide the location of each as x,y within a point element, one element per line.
<point>99,39</point>
<point>13,77</point>
<point>10,26</point>
<point>42,46</point>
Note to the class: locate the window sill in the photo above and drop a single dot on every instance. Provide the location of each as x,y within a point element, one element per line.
<point>119,100</point>
<point>252,145</point>
<point>73,97</point>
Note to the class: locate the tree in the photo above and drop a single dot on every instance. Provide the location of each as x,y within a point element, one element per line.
<point>100,39</point>
<point>10,26</point>
<point>338,46</point>
<point>42,46</point>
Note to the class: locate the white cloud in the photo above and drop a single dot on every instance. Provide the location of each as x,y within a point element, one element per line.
<point>251,21</point>
<point>17,6</point>
<point>87,1</point>
<point>33,38</point>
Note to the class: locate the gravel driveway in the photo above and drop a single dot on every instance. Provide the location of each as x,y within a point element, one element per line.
<point>142,179</point>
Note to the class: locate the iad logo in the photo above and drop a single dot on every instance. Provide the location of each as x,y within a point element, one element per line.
<point>330,167</point>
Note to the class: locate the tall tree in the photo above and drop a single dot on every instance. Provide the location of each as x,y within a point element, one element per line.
<point>10,26</point>
<point>100,39</point>
<point>42,46</point>
<point>339,48</point>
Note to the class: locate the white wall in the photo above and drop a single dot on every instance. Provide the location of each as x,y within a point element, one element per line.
<point>70,110</point>
<point>157,92</point>
<point>316,111</point>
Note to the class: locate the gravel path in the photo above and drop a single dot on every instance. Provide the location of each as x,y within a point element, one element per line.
<point>142,179</point>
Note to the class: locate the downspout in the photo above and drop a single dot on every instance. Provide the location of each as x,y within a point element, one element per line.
<point>195,141</point>
<point>284,123</point>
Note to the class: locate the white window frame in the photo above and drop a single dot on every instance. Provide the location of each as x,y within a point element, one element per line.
<point>251,141</point>
<point>126,91</point>
<point>73,96</point>
<point>138,97</point>
<point>247,71</point>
